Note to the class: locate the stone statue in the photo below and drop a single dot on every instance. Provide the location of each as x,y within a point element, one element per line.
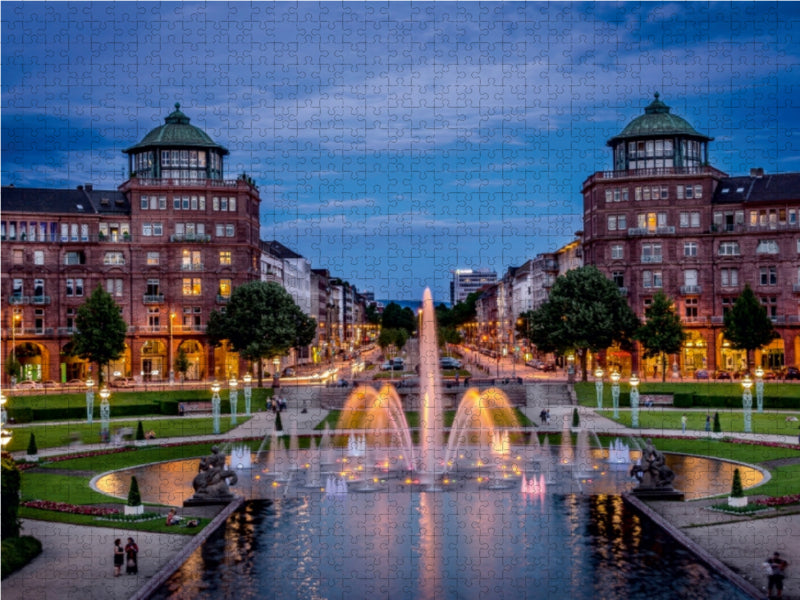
<point>212,481</point>
<point>653,472</point>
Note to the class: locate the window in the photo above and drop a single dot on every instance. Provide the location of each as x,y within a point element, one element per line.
<point>767,247</point>
<point>113,258</point>
<point>153,258</point>
<point>73,258</point>
<point>191,260</point>
<point>689,219</point>
<point>690,308</point>
<point>154,318</point>
<point>690,248</point>
<point>729,249</point>
<point>768,275</point>
<point>192,286</point>
<point>690,278</point>
<point>38,320</point>
<point>84,232</point>
<point>651,279</point>
<point>38,288</point>
<point>225,288</point>
<point>38,257</point>
<point>617,253</point>
<point>729,277</point>
<point>71,319</point>
<point>651,253</point>
<point>225,257</point>
<point>16,288</point>
<point>229,231</point>
<point>727,304</point>
<point>192,317</point>
<point>114,287</point>
<point>771,304</point>
<point>70,287</point>
<point>17,257</point>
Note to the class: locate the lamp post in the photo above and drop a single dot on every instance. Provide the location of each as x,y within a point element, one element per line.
<point>615,393</point>
<point>598,386</point>
<point>5,434</point>
<point>759,390</point>
<point>105,413</point>
<point>570,368</point>
<point>634,381</point>
<point>89,400</point>
<point>171,357</point>
<point>233,396</point>
<point>215,405</point>
<point>747,403</point>
<point>276,363</point>
<point>248,393</point>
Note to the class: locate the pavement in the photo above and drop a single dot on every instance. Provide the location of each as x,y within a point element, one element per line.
<point>76,560</point>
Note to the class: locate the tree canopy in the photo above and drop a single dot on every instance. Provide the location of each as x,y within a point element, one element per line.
<point>261,321</point>
<point>747,325</point>
<point>100,330</point>
<point>396,317</point>
<point>585,312</point>
<point>662,333</point>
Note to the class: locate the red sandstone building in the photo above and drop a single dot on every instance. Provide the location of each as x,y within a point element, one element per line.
<point>664,219</point>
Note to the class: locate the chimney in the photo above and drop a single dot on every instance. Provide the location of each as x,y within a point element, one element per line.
<point>757,173</point>
<point>80,188</point>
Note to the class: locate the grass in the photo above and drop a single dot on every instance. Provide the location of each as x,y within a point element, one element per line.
<point>587,396</point>
<point>57,487</point>
<point>53,435</point>
<point>731,421</point>
<point>153,526</point>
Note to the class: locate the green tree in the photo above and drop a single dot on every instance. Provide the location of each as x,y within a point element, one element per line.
<point>13,367</point>
<point>33,449</point>
<point>585,312</point>
<point>262,321</point>
<point>736,488</point>
<point>392,338</point>
<point>134,497</point>
<point>372,315</point>
<point>181,362</point>
<point>747,326</point>
<point>395,317</point>
<point>9,499</point>
<point>662,332</point>
<point>99,330</point>
<point>139,432</point>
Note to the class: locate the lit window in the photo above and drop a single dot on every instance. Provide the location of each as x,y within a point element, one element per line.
<point>153,258</point>
<point>225,257</point>
<point>192,286</point>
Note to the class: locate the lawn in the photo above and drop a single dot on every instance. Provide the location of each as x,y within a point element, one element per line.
<point>587,395</point>
<point>731,421</point>
<point>62,434</point>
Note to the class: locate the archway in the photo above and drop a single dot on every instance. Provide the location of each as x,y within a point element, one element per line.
<point>73,367</point>
<point>771,357</point>
<point>122,366</point>
<point>694,352</point>
<point>195,358</point>
<point>154,357</point>
<point>32,359</point>
<point>226,362</point>
<point>731,360</point>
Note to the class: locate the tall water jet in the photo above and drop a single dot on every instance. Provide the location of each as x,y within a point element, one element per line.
<point>431,449</point>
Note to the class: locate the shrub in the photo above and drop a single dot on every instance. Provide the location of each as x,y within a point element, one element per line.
<point>736,488</point>
<point>18,552</point>
<point>717,428</point>
<point>9,499</point>
<point>170,407</point>
<point>32,448</point>
<point>683,400</point>
<point>22,414</point>
<point>576,419</point>
<point>134,497</point>
<point>139,433</point>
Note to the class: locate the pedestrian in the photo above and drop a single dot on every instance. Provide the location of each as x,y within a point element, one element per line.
<point>131,557</point>
<point>684,420</point>
<point>547,416</point>
<point>708,423</point>
<point>543,417</point>
<point>777,571</point>
<point>119,556</point>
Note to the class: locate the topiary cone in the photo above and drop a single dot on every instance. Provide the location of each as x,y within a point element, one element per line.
<point>33,450</point>
<point>134,497</point>
<point>139,432</point>
<point>736,488</point>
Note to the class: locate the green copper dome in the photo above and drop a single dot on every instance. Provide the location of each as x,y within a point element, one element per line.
<point>176,132</point>
<point>657,121</point>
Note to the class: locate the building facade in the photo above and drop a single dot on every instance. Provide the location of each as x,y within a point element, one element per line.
<point>467,281</point>
<point>665,220</point>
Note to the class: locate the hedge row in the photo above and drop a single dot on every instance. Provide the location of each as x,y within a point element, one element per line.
<point>702,401</point>
<point>154,407</point>
<point>18,552</point>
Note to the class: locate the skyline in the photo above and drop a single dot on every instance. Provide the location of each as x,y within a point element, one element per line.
<point>411,139</point>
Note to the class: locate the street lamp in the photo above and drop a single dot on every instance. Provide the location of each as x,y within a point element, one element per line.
<point>276,363</point>
<point>215,405</point>
<point>105,413</point>
<point>760,389</point>
<point>598,386</point>
<point>5,434</point>
<point>570,368</point>
<point>248,393</point>
<point>233,396</point>
<point>747,403</point>
<point>171,357</point>
<point>615,393</point>
<point>634,381</point>
<point>89,400</point>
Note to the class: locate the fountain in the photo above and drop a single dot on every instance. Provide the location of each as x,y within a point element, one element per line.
<point>619,454</point>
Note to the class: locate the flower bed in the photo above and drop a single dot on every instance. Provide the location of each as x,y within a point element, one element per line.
<point>779,500</point>
<point>74,509</point>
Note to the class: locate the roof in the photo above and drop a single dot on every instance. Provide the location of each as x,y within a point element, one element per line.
<point>81,201</point>
<point>780,187</point>
<point>279,250</point>
<point>657,121</point>
<point>177,132</point>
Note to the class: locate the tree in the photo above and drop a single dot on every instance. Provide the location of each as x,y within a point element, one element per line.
<point>181,362</point>
<point>100,330</point>
<point>395,317</point>
<point>662,332</point>
<point>736,487</point>
<point>9,499</point>
<point>747,326</point>
<point>134,497</point>
<point>262,321</point>
<point>585,312</point>
<point>392,337</point>
<point>33,449</point>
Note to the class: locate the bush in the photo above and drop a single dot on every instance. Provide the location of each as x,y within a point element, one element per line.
<point>32,449</point>
<point>139,431</point>
<point>683,400</point>
<point>134,497</point>
<point>21,415</point>
<point>576,419</point>
<point>9,499</point>
<point>736,488</point>
<point>170,407</point>
<point>18,552</point>
<point>717,428</point>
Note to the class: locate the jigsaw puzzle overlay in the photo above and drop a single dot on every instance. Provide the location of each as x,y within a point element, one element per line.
<point>359,154</point>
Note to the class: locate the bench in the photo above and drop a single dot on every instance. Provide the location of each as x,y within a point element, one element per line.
<point>184,408</point>
<point>655,400</point>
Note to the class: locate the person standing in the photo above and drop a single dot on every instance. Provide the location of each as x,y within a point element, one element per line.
<point>119,556</point>
<point>131,557</point>
<point>778,572</point>
<point>708,423</point>
<point>684,421</point>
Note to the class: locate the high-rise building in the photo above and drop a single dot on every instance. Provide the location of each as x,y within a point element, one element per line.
<point>466,281</point>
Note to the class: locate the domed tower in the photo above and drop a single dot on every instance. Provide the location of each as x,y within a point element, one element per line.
<point>658,139</point>
<point>176,150</point>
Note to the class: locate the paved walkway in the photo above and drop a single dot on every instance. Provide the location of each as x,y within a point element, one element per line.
<point>76,562</point>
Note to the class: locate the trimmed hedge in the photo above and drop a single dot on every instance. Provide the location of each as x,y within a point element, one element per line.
<point>694,400</point>
<point>9,499</point>
<point>18,552</point>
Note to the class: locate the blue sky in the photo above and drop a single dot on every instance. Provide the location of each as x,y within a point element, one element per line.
<point>393,142</point>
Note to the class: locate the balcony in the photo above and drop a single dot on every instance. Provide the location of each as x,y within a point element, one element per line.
<point>649,173</point>
<point>689,290</point>
<point>41,300</point>
<point>192,267</point>
<point>217,183</point>
<point>223,299</point>
<point>153,299</point>
<point>665,230</point>
<point>623,291</point>
<point>717,320</point>
<point>190,237</point>
<point>19,300</point>
<point>66,330</point>
<point>652,259</point>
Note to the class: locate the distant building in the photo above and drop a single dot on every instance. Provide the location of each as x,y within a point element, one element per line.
<point>466,281</point>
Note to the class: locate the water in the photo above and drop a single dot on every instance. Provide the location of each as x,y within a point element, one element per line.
<point>467,544</point>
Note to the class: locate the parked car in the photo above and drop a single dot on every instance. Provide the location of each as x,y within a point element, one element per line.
<point>394,364</point>
<point>791,373</point>
<point>122,382</point>
<point>289,372</point>
<point>448,362</point>
<point>722,375</point>
<point>27,384</point>
<point>701,374</point>
<point>548,367</point>
<point>75,383</point>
